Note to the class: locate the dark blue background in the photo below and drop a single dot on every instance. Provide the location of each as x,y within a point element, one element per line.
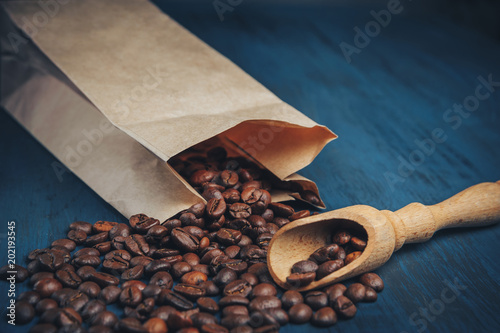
<point>394,92</point>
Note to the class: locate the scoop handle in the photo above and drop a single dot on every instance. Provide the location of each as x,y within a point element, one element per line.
<point>478,205</point>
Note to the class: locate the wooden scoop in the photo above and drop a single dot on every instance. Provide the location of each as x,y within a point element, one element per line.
<point>386,231</point>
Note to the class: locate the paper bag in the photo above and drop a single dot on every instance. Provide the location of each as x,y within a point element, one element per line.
<point>115,89</point>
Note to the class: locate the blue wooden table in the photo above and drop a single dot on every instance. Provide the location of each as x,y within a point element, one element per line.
<point>416,119</point>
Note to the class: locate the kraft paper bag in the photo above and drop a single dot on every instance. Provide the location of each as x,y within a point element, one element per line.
<point>115,89</point>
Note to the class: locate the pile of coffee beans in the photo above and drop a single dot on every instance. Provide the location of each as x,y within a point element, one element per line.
<point>203,270</point>
<point>343,250</point>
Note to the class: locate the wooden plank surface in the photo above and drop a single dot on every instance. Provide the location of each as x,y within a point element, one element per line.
<point>393,94</point>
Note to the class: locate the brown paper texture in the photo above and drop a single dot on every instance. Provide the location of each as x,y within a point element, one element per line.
<point>72,74</point>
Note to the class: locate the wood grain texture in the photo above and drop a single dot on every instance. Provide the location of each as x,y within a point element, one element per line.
<point>394,93</point>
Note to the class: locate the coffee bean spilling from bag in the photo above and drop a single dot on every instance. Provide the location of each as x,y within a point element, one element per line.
<point>204,270</point>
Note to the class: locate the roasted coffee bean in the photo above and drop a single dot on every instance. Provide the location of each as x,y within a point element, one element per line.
<point>86,227</point>
<point>131,296</point>
<point>162,280</point>
<point>228,236</point>
<point>65,243</point>
<point>202,269</point>
<point>335,291</point>
<point>45,304</point>
<point>134,273</point>
<point>163,253</point>
<point>264,239</point>
<point>46,287</point>
<point>184,240</point>
<point>281,210</point>
<point>141,222</point>
<point>351,257</point>
<point>324,317</point>
<point>237,265</point>
<point>344,307</point>
<point>102,226</point>
<point>189,219</point>
<point>180,268</point>
<point>163,312</point>
<point>86,260</point>
<point>358,243</point>
<point>85,272</point>
<point>120,229</point>
<point>50,261</point>
<point>97,238</point>
<point>50,316</point>
<point>194,278</point>
<point>372,280</point>
<point>290,298</point>
<point>297,280</point>
<point>77,236</point>
<point>68,317</point>
<point>118,242</point>
<point>43,328</point>
<point>279,315</point>
<point>24,312</point>
<point>155,325</point>
<point>137,245</point>
<point>30,296</point>
<point>234,300</point>
<point>103,247</point>
<point>39,276</point>
<point>235,321</point>
<point>61,294</point>
<point>325,253</point>
<point>341,237</point>
<point>110,294</point>
<point>225,276</point>
<point>189,291</point>
<point>210,287</point>
<point>238,288</point>
<point>370,295</point>
<point>253,253</point>
<point>90,288</point>
<point>176,300</point>
<point>300,313</point>
<point>216,207</point>
<point>156,266</point>
<point>264,289</point>
<point>92,309</point>
<point>134,283</point>
<point>210,255</point>
<point>75,300</point>
<point>235,310</point>
<point>140,260</point>
<point>202,318</point>
<point>191,258</point>
<point>240,210</point>
<point>86,251</point>
<point>130,325</point>
<point>104,318</point>
<point>68,278</point>
<point>355,292</point>
<point>262,303</point>
<point>252,279</point>
<point>202,176</point>
<point>33,267</point>
<point>304,266</point>
<point>207,304</point>
<point>115,264</point>
<point>231,196</point>
<point>104,279</point>
<point>213,328</point>
<point>316,299</point>
<point>232,251</point>
<point>328,268</point>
